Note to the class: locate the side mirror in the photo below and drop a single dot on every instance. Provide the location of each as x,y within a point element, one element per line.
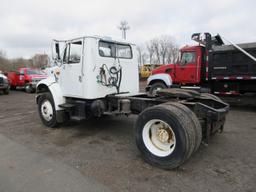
<point>183,62</point>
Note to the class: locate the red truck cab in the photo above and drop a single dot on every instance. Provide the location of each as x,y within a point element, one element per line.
<point>188,68</point>
<point>26,78</point>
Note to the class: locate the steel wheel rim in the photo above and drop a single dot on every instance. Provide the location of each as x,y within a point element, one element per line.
<point>159,137</point>
<point>47,110</point>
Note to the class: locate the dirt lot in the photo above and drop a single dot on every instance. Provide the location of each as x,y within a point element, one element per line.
<point>105,150</point>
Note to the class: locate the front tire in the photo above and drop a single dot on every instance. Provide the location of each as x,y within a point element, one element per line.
<point>28,88</point>
<point>156,87</point>
<point>47,110</point>
<point>6,91</point>
<point>166,136</point>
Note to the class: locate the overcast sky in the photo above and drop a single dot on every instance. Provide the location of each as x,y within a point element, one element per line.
<point>27,26</point>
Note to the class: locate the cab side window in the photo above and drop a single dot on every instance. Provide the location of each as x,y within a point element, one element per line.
<point>124,51</point>
<point>188,57</point>
<point>106,49</point>
<point>72,52</point>
<point>110,49</point>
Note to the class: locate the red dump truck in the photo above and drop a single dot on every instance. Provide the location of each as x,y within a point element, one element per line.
<point>26,78</point>
<point>211,66</point>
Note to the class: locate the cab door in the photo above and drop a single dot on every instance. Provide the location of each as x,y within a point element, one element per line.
<point>187,69</point>
<point>71,75</point>
<point>20,77</point>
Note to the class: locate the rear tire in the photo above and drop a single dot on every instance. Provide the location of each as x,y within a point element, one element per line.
<point>156,87</point>
<point>195,124</point>
<point>47,110</point>
<point>156,127</point>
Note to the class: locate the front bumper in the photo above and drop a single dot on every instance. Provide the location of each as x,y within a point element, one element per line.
<point>4,84</point>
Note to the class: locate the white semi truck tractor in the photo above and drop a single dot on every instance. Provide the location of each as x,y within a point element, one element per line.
<point>99,76</point>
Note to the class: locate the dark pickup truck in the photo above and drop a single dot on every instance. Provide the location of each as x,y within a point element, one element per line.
<point>4,84</point>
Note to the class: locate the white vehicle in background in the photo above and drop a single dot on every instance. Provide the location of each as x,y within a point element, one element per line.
<point>99,76</point>
<point>4,84</point>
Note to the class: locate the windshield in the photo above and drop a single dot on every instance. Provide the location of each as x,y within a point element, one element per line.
<point>34,72</point>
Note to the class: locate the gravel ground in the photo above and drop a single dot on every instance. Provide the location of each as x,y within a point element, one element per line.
<point>105,151</point>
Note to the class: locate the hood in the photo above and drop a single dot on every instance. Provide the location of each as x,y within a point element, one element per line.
<point>38,76</point>
<point>163,69</point>
<point>3,76</point>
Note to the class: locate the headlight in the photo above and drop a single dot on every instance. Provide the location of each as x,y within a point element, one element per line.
<point>6,80</point>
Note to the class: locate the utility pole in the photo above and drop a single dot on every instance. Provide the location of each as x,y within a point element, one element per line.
<point>123,27</point>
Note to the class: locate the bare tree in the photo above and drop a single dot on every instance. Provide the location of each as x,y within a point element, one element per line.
<point>40,60</point>
<point>173,55</point>
<point>4,62</point>
<point>165,44</point>
<point>156,45</point>
<point>139,55</point>
<point>151,51</point>
<point>162,50</point>
<point>142,55</point>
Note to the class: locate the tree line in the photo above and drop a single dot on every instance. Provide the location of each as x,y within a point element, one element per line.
<point>37,61</point>
<point>159,50</point>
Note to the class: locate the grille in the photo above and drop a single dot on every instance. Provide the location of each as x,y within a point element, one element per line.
<point>37,80</point>
<point>1,80</point>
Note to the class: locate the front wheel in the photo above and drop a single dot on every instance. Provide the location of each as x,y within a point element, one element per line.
<point>156,87</point>
<point>28,88</point>
<point>47,110</point>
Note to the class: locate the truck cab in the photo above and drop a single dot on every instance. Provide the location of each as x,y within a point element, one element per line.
<point>186,71</point>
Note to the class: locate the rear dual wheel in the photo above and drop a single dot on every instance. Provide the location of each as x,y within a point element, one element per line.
<point>167,135</point>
